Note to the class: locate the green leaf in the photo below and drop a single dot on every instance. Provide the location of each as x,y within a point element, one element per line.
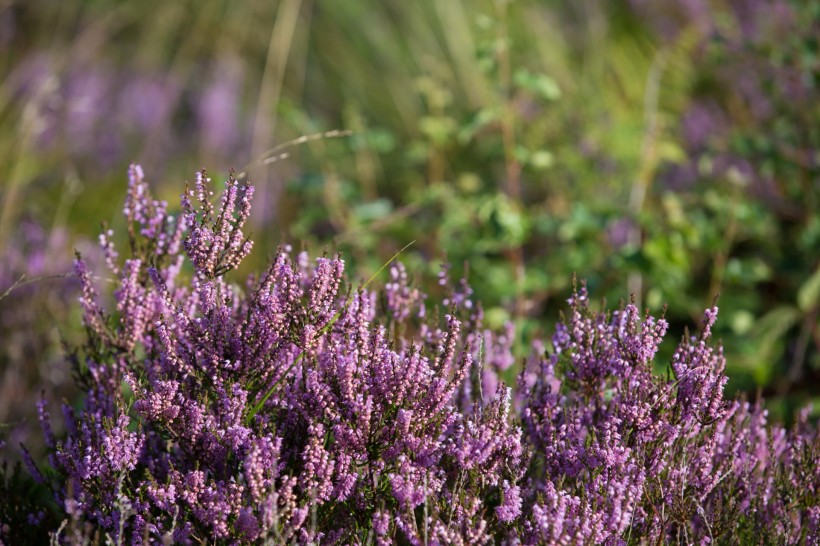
<point>809,293</point>
<point>540,84</point>
<point>373,210</point>
<point>481,119</point>
<point>380,140</point>
<point>438,129</point>
<point>742,321</point>
<point>770,329</point>
<point>542,159</point>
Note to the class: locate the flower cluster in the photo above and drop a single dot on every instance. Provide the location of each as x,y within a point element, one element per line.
<point>294,408</point>
<point>622,455</point>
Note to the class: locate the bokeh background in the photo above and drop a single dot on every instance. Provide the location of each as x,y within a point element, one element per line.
<point>668,150</point>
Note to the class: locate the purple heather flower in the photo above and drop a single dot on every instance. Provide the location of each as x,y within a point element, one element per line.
<point>510,507</point>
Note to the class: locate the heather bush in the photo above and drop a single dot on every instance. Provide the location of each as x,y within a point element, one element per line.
<point>296,407</point>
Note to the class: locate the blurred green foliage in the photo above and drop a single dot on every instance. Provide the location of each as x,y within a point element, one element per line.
<point>650,148</point>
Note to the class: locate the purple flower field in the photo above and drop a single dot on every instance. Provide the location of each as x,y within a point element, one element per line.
<point>301,406</point>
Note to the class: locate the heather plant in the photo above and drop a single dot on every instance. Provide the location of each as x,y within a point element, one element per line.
<point>623,455</point>
<point>280,410</point>
<point>295,408</point>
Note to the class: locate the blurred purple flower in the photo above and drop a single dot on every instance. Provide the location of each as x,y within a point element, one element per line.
<point>619,232</point>
<point>147,102</point>
<point>218,108</point>
<point>701,123</point>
